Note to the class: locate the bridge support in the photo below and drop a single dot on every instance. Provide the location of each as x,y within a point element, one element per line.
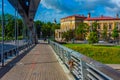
<point>2,51</point>
<point>27,10</point>
<point>32,35</point>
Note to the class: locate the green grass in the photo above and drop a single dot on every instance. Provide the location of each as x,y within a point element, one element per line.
<point>0,38</point>
<point>20,37</point>
<point>5,39</point>
<point>104,54</point>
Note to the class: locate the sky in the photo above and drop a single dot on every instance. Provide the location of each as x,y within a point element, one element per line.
<point>49,10</point>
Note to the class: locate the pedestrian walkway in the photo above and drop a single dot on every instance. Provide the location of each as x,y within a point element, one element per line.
<point>39,64</point>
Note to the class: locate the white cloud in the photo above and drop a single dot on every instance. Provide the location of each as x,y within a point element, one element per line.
<point>61,8</point>
<point>117,2</point>
<point>51,4</point>
<point>77,5</point>
<point>50,16</point>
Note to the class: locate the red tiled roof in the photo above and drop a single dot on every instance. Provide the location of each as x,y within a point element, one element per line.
<point>101,18</point>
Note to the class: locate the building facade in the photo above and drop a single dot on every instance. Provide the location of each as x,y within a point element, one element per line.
<point>72,22</point>
<point>68,23</point>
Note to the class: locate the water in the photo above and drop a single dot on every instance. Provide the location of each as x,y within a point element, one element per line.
<point>11,44</point>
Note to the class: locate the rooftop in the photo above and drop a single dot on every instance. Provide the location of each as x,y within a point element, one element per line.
<point>76,15</point>
<point>101,18</point>
<point>89,18</point>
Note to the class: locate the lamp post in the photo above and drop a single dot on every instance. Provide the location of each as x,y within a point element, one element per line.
<point>2,51</point>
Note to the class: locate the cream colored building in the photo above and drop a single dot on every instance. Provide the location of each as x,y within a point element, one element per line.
<point>67,23</point>
<point>71,22</point>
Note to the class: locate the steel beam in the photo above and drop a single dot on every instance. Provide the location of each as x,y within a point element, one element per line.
<point>27,10</point>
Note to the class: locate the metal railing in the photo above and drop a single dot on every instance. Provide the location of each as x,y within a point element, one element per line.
<point>83,67</point>
<point>12,52</point>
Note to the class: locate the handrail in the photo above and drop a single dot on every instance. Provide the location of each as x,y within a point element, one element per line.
<point>84,68</point>
<point>10,52</point>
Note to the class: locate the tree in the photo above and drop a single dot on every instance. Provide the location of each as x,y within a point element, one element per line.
<point>65,36</point>
<point>9,26</point>
<point>68,35</point>
<point>9,30</point>
<point>93,37</point>
<point>82,30</point>
<point>104,34</point>
<point>54,27</point>
<point>0,30</point>
<point>94,26</point>
<point>115,33</point>
<point>46,30</point>
<point>38,25</point>
<point>20,27</point>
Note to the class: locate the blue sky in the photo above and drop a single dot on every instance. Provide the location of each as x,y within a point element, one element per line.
<point>49,10</point>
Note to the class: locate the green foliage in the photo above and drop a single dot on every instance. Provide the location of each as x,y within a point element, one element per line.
<point>20,27</point>
<point>94,26</point>
<point>115,33</point>
<point>9,27</point>
<point>65,36</point>
<point>38,25</point>
<point>0,38</point>
<point>107,55</point>
<point>93,38</point>
<point>0,30</point>
<point>68,35</point>
<point>104,34</point>
<point>47,29</point>
<point>20,37</point>
<point>82,30</point>
<point>54,27</point>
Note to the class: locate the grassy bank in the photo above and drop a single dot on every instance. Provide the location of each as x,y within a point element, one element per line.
<point>8,39</point>
<point>104,54</point>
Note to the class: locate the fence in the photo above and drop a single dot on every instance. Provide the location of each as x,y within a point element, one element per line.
<point>83,67</point>
<point>12,52</point>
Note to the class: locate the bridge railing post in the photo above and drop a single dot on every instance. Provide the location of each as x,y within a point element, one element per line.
<point>83,67</point>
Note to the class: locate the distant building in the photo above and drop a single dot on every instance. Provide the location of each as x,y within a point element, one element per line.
<point>71,22</point>
<point>67,23</point>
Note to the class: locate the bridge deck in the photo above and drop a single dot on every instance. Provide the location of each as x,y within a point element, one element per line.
<point>39,64</point>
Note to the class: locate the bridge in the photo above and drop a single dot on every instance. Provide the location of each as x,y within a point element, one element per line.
<point>46,60</point>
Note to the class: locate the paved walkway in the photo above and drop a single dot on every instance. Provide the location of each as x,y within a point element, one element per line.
<point>39,64</point>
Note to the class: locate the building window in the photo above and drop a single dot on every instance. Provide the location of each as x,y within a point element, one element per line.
<point>59,34</point>
<point>110,34</point>
<point>110,26</point>
<point>66,28</point>
<point>98,26</point>
<point>118,26</point>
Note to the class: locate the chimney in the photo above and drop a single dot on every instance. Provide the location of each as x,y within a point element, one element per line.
<point>89,15</point>
<point>101,16</point>
<point>117,15</point>
<point>83,15</point>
